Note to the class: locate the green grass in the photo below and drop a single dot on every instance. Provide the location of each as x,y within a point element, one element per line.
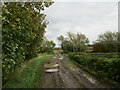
<point>30,75</point>
<point>58,51</point>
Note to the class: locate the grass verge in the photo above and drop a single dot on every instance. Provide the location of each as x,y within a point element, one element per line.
<point>30,75</point>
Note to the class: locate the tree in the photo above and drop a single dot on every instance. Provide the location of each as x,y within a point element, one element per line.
<point>23,27</point>
<point>81,42</point>
<point>47,46</point>
<point>74,42</point>
<point>107,42</point>
<point>61,38</point>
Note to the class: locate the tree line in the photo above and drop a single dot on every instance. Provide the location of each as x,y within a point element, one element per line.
<point>106,42</point>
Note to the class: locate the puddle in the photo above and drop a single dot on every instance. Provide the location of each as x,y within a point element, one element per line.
<point>51,65</point>
<point>90,79</point>
<point>60,58</point>
<point>56,65</point>
<point>52,70</point>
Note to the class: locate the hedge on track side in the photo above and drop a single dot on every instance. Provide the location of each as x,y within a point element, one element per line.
<point>105,67</point>
<point>23,27</point>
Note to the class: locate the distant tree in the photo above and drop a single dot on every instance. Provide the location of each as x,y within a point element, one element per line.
<point>74,42</point>
<point>47,46</point>
<point>61,38</point>
<point>81,42</point>
<point>97,47</point>
<point>107,42</point>
<point>67,46</point>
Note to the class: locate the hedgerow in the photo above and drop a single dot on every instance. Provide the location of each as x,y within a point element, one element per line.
<point>23,27</point>
<point>102,66</point>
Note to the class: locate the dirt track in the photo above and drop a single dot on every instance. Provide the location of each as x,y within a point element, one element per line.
<point>69,76</point>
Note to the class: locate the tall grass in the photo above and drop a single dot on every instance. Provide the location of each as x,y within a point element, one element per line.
<point>30,76</point>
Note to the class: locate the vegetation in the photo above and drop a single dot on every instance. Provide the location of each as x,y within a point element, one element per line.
<point>107,42</point>
<point>47,46</point>
<point>30,75</point>
<point>106,66</point>
<point>23,27</point>
<point>74,42</point>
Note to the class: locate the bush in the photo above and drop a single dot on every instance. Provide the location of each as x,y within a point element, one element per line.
<point>114,70</point>
<point>106,67</point>
<point>23,28</point>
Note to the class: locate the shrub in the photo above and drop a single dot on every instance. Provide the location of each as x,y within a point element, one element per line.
<point>106,67</point>
<point>23,28</point>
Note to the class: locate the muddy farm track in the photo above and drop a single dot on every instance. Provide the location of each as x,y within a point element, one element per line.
<point>68,75</point>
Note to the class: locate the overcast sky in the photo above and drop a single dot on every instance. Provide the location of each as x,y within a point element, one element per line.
<point>89,18</point>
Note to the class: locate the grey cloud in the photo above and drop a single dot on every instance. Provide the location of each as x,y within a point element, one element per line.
<point>91,19</point>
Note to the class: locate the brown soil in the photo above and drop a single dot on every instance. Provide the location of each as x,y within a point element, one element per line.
<point>69,76</point>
